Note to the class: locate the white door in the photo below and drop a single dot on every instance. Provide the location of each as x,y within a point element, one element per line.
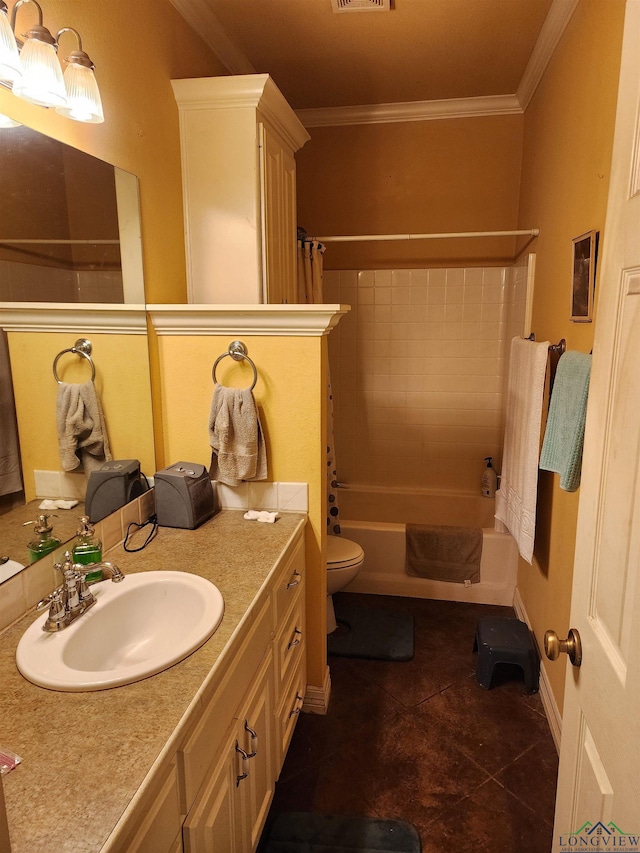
<point>599,779</point>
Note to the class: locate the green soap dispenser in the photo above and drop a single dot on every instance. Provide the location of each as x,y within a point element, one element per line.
<point>88,549</point>
<point>44,541</point>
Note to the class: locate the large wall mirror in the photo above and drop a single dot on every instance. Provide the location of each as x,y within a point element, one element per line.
<point>70,227</point>
<point>70,237</point>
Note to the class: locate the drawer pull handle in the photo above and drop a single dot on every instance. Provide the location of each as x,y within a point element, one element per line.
<point>296,710</point>
<point>296,639</point>
<point>298,577</point>
<point>254,738</point>
<point>240,751</point>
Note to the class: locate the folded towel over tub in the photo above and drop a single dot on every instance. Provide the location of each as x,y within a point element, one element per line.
<point>444,552</point>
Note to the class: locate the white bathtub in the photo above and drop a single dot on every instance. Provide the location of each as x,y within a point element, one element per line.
<point>376,518</point>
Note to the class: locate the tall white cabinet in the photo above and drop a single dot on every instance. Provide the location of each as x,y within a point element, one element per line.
<point>239,137</point>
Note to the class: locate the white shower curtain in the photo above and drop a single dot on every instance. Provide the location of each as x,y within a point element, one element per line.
<point>310,254</point>
<point>310,292</point>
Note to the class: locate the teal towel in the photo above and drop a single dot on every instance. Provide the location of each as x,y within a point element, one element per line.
<point>564,435</point>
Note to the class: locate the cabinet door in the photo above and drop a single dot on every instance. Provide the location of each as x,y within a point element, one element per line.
<point>278,212</point>
<point>256,734</point>
<point>230,811</point>
<point>214,823</point>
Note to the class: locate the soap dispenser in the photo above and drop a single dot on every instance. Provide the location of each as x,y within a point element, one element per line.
<point>489,479</point>
<point>44,541</point>
<point>87,549</point>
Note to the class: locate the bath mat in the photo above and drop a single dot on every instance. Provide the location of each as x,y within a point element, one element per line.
<point>367,632</point>
<point>304,832</point>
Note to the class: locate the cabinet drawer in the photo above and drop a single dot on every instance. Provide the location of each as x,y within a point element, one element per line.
<point>289,647</point>
<point>289,583</point>
<point>202,746</point>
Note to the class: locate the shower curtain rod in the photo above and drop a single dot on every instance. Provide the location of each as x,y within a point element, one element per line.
<point>531,232</point>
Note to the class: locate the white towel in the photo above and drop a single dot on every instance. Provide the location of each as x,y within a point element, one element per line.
<point>82,433</point>
<point>236,437</point>
<point>517,495</point>
<point>261,515</point>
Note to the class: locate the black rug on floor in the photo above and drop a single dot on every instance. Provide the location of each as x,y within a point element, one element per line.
<point>305,832</point>
<point>367,632</point>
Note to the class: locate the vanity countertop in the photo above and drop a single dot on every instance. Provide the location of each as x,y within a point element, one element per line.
<point>85,755</point>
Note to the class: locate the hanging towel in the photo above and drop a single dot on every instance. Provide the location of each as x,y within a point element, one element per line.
<point>236,437</point>
<point>517,495</point>
<point>82,432</point>
<point>10,477</point>
<point>444,552</point>
<point>564,435</point>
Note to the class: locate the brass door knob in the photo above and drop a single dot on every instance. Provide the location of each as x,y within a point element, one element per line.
<point>554,647</point>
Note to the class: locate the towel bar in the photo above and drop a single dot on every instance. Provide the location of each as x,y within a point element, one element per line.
<point>558,348</point>
<point>82,347</point>
<point>238,352</point>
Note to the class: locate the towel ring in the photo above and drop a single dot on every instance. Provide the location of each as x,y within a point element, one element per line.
<point>82,347</point>
<point>238,352</point>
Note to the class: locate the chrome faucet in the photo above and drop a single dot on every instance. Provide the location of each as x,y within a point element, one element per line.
<point>73,597</point>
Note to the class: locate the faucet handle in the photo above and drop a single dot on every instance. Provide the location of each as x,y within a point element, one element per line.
<point>67,568</point>
<point>48,600</point>
<point>57,617</point>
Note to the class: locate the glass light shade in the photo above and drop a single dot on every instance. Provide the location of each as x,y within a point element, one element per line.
<point>6,122</point>
<point>41,82</point>
<point>9,56</point>
<point>83,96</point>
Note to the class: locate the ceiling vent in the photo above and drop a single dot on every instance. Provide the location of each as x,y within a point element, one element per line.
<point>361,5</point>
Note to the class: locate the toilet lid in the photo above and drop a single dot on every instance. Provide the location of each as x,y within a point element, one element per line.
<point>342,552</point>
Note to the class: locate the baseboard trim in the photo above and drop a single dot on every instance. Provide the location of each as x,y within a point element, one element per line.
<point>316,698</point>
<point>546,694</point>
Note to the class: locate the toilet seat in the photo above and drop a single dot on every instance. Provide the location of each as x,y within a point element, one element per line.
<point>343,553</point>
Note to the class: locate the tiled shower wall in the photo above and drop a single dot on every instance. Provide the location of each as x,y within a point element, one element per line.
<point>418,372</point>
<point>34,283</point>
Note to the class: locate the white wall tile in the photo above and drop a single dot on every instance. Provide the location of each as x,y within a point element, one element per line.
<point>421,392</point>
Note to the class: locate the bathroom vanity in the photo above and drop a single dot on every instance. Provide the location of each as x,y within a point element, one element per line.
<point>187,759</point>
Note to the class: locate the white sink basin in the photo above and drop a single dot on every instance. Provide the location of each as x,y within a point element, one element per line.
<point>136,628</point>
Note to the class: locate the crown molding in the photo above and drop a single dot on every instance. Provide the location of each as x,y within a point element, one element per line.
<point>71,317</point>
<point>242,91</point>
<point>201,18</point>
<point>554,26</point>
<point>453,108</point>
<point>280,320</point>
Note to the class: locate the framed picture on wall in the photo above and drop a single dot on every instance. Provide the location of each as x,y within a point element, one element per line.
<point>584,273</point>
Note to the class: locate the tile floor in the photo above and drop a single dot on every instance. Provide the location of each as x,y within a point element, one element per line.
<point>421,741</point>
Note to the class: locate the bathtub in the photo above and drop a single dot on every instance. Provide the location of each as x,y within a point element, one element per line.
<point>376,518</point>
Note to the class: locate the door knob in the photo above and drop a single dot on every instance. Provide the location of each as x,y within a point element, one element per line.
<point>554,647</point>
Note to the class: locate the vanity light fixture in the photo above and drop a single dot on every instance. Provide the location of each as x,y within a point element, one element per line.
<point>9,56</point>
<point>38,76</point>
<point>83,95</point>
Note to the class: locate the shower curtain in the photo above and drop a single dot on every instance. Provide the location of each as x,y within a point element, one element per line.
<point>310,292</point>
<point>10,478</point>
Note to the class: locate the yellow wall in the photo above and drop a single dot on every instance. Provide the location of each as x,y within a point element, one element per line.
<point>122,382</point>
<point>137,49</point>
<point>565,177</point>
<point>411,177</point>
<point>290,396</point>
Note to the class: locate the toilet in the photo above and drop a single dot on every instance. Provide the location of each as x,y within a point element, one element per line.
<point>344,560</point>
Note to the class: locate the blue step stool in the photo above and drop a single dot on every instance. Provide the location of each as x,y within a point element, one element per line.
<point>502,640</point>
